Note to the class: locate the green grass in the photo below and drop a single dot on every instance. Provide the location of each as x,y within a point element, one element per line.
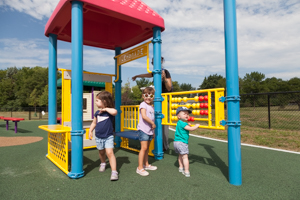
<point>274,138</point>
<point>25,115</point>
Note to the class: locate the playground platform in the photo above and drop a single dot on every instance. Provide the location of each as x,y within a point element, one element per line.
<point>26,173</point>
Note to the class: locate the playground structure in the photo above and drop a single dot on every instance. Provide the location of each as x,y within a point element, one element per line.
<point>59,137</point>
<point>117,25</point>
<point>89,106</point>
<point>211,112</point>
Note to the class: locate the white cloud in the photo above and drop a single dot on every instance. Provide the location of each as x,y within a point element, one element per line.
<point>23,53</point>
<point>193,42</point>
<point>38,9</point>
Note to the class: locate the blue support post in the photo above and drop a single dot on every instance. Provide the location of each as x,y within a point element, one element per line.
<point>158,145</point>
<point>52,77</point>
<point>77,91</point>
<point>232,88</point>
<point>118,87</point>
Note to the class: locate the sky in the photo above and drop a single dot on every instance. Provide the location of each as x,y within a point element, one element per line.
<point>268,34</point>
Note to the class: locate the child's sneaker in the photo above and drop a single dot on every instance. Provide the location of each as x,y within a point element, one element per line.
<point>181,170</point>
<point>102,167</point>
<point>142,172</point>
<point>187,174</point>
<point>114,176</point>
<point>150,167</point>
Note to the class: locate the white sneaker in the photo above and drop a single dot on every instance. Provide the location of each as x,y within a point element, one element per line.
<point>102,167</point>
<point>187,174</point>
<point>150,167</point>
<point>181,170</point>
<point>142,172</point>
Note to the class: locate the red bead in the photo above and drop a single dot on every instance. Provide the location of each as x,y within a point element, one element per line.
<point>205,98</point>
<point>201,98</point>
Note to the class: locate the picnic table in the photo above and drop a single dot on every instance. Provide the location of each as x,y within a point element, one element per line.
<point>14,119</point>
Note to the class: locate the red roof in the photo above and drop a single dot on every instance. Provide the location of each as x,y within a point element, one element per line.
<point>107,23</point>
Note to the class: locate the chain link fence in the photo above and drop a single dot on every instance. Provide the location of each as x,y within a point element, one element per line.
<point>276,110</point>
<point>28,113</point>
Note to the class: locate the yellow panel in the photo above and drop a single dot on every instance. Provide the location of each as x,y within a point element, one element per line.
<point>131,116</point>
<point>66,112</point>
<point>55,128</point>
<point>219,109</point>
<point>209,109</point>
<point>58,150</point>
<point>165,109</point>
<point>108,87</point>
<point>87,133</point>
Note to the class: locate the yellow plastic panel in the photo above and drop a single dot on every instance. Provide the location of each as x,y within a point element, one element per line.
<point>108,87</point>
<point>66,109</point>
<point>129,121</point>
<point>55,128</point>
<point>58,150</point>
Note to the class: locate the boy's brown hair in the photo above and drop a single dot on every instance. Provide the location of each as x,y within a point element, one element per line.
<point>106,98</point>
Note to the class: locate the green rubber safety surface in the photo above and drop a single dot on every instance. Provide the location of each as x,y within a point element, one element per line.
<point>25,173</point>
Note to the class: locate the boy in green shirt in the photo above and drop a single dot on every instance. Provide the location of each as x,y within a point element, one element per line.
<point>182,138</point>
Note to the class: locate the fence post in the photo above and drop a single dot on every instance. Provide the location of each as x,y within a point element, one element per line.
<point>269,112</point>
<point>29,117</point>
<point>40,114</point>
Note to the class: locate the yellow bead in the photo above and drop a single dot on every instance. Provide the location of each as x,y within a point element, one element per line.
<point>173,112</point>
<point>198,105</point>
<point>173,100</point>
<point>176,99</point>
<point>184,99</point>
<point>198,112</point>
<point>194,112</point>
<point>196,98</point>
<point>179,99</point>
<point>174,118</point>
<point>194,105</point>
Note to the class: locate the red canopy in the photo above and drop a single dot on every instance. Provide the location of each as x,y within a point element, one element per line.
<point>107,23</point>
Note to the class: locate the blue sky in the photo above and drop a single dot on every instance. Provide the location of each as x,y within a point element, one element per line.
<point>193,42</point>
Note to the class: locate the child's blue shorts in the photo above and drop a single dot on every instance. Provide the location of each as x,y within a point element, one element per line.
<point>104,143</point>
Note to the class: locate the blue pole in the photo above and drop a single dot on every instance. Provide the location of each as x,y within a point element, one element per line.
<point>233,98</point>
<point>77,91</point>
<point>52,109</point>
<point>158,146</point>
<point>118,99</point>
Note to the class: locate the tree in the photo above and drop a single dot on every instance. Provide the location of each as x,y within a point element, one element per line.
<point>143,82</point>
<point>43,100</point>
<point>136,94</point>
<point>7,92</point>
<point>253,83</point>
<point>210,82</point>
<point>33,99</point>
<point>276,85</point>
<point>186,87</point>
<point>126,93</point>
<point>176,87</point>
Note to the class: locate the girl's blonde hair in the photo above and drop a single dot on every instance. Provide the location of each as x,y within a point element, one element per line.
<point>106,99</point>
